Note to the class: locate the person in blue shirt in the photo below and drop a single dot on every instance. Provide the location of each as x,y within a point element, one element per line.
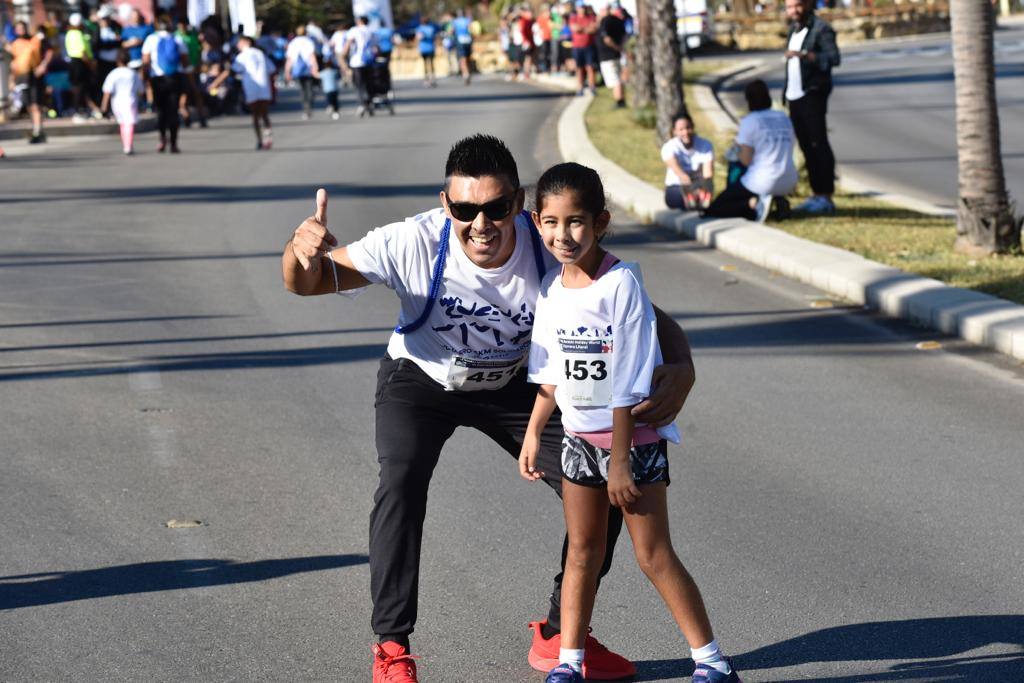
<point>426,37</point>
<point>133,36</point>
<point>385,41</point>
<point>463,42</point>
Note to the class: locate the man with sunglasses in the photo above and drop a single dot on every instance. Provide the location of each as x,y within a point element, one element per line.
<point>467,276</point>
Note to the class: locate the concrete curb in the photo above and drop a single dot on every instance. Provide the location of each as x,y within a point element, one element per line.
<point>978,318</point>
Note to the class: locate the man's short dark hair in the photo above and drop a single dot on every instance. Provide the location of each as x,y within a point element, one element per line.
<point>481,155</point>
<point>758,96</point>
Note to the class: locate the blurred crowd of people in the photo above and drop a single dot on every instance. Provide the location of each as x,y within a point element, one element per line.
<point>569,38</point>
<point>59,69</point>
<point>108,65</point>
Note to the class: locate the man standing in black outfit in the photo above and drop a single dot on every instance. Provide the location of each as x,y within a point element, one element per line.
<point>810,57</point>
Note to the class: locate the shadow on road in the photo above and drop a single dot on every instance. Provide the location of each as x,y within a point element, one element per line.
<point>32,590</point>
<point>933,644</point>
<point>62,259</point>
<point>235,360</point>
<point>220,194</point>
<point>951,158</point>
<point>111,321</point>
<point>188,340</point>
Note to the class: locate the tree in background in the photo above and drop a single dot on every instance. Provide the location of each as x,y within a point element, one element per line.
<point>985,217</point>
<point>641,79</point>
<point>667,62</point>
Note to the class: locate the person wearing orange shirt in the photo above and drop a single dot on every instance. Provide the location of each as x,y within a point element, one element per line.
<point>30,58</point>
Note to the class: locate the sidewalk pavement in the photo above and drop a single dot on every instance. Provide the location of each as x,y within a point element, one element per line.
<point>61,127</point>
<point>978,318</point>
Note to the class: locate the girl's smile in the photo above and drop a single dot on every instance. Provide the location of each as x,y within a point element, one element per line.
<point>571,233</point>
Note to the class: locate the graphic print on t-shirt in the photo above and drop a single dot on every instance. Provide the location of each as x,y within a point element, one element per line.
<point>477,315</point>
<point>588,364</point>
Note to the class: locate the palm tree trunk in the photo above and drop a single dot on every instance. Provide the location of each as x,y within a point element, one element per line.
<point>641,79</point>
<point>985,221</point>
<point>667,61</point>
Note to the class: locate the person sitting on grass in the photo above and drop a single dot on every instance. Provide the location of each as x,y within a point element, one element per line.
<point>690,160</point>
<point>765,140</point>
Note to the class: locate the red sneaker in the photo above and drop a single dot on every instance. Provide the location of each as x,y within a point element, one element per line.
<point>392,663</point>
<point>599,663</point>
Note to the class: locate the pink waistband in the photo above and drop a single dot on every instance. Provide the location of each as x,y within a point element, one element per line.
<point>642,435</point>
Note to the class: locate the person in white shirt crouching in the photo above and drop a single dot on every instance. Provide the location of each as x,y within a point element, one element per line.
<point>765,140</point>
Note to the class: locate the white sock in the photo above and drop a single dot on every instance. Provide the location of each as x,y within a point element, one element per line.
<point>573,658</point>
<point>710,655</point>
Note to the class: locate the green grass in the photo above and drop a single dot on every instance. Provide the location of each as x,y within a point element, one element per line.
<point>916,243</point>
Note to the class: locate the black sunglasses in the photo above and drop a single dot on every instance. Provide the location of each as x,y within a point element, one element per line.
<point>495,210</point>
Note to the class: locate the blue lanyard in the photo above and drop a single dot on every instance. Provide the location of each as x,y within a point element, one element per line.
<point>442,257</point>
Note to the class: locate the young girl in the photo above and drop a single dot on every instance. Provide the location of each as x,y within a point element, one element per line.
<point>593,350</point>
<point>121,90</point>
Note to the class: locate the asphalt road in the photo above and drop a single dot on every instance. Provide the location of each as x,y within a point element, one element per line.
<point>849,504</point>
<point>892,116</point>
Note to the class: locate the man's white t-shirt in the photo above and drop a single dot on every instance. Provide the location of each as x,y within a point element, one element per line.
<point>301,49</point>
<point>598,345</point>
<point>772,170</point>
<point>478,332</point>
<point>691,160</point>
<point>794,81</point>
<point>255,69</point>
<point>150,45</point>
<point>360,54</point>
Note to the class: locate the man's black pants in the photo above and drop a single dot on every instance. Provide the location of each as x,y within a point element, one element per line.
<point>808,117</point>
<point>361,80</point>
<point>415,417</point>
<point>166,90</point>
<point>306,83</point>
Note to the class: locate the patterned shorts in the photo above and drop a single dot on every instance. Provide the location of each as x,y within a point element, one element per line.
<point>586,464</point>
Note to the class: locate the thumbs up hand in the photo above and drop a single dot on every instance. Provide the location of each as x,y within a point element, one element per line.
<point>312,239</point>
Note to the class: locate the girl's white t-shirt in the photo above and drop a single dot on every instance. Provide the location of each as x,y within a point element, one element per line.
<point>691,160</point>
<point>478,331</point>
<point>124,86</point>
<point>254,69</point>
<point>598,345</point>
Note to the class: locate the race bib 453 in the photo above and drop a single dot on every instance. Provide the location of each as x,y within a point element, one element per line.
<point>588,370</point>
